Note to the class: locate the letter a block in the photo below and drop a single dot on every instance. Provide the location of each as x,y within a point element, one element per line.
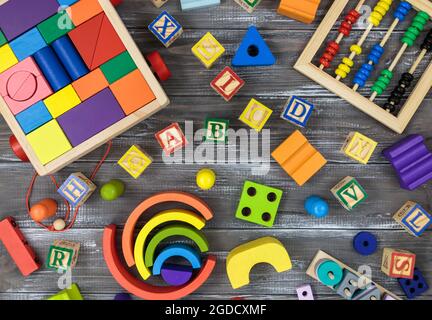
<point>359,147</point>
<point>171,138</point>
<point>227,83</point>
<point>216,130</point>
<point>349,192</point>
<point>413,218</point>
<point>398,263</point>
<point>63,255</point>
<point>208,50</point>
<point>135,161</point>
<point>77,189</point>
<point>166,28</point>
<point>255,115</point>
<point>297,111</point>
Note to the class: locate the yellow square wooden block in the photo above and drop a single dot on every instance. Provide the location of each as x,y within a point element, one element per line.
<point>359,147</point>
<point>208,50</point>
<point>255,115</point>
<point>135,161</point>
<point>49,142</point>
<point>7,58</point>
<point>62,101</point>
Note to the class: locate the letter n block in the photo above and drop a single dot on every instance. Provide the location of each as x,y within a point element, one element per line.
<point>77,189</point>
<point>208,50</point>
<point>359,147</point>
<point>398,263</point>
<point>63,254</point>
<point>349,193</point>
<point>297,111</point>
<point>413,218</point>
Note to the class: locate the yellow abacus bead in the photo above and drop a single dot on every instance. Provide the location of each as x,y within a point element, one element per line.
<point>380,10</point>
<point>343,70</point>
<point>348,62</point>
<point>356,48</point>
<point>341,73</point>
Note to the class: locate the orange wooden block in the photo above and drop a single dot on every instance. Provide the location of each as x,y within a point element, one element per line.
<point>90,84</point>
<point>298,158</point>
<point>301,10</point>
<point>84,10</point>
<point>132,92</point>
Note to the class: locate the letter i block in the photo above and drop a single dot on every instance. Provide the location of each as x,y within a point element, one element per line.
<point>248,5</point>
<point>349,193</point>
<point>166,28</point>
<point>359,147</point>
<point>227,83</point>
<point>259,204</point>
<point>398,263</point>
<point>63,255</point>
<point>77,189</point>
<point>297,111</point>
<point>208,50</point>
<point>413,218</point>
<point>255,115</point>
<point>135,161</point>
<point>171,138</point>
<point>216,130</point>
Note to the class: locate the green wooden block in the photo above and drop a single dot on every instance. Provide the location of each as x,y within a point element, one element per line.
<point>3,39</point>
<point>118,67</point>
<point>55,27</point>
<point>216,130</point>
<point>63,254</point>
<point>259,204</point>
<point>349,193</point>
<point>72,293</point>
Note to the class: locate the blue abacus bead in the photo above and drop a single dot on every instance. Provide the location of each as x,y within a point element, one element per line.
<point>316,206</point>
<point>376,53</point>
<point>365,243</point>
<point>402,10</point>
<point>363,74</point>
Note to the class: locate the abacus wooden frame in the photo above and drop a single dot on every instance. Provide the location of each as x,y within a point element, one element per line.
<point>305,66</point>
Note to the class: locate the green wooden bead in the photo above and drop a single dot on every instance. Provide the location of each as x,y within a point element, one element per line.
<point>377,89</point>
<point>112,190</point>
<point>387,73</point>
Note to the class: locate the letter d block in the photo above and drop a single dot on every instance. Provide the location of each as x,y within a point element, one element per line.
<point>77,189</point>
<point>349,193</point>
<point>297,111</point>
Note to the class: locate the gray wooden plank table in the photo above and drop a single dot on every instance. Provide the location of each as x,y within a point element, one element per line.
<point>192,99</point>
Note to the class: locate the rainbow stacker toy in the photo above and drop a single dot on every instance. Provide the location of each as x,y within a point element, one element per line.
<point>70,78</point>
<point>396,111</point>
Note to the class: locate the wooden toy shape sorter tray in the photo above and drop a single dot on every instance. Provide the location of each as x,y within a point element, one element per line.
<point>307,65</point>
<point>67,90</point>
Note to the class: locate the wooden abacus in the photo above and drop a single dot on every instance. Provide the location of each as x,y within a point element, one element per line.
<point>392,114</point>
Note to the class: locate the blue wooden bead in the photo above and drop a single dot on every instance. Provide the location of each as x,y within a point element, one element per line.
<point>365,243</point>
<point>316,206</point>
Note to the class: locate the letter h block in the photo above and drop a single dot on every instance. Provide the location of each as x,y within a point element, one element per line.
<point>77,189</point>
<point>359,147</point>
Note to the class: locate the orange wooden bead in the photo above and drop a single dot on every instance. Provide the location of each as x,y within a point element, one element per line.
<point>44,209</point>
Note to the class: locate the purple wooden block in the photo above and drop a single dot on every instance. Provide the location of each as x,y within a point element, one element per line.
<point>305,293</point>
<point>122,296</point>
<point>412,161</point>
<point>91,117</point>
<point>18,16</point>
<point>176,275</point>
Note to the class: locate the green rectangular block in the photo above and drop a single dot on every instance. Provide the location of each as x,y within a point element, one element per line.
<point>216,130</point>
<point>55,27</point>
<point>259,204</point>
<point>3,39</point>
<point>72,293</point>
<point>118,67</point>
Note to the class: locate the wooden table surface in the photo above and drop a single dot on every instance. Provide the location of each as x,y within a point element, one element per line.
<point>193,99</point>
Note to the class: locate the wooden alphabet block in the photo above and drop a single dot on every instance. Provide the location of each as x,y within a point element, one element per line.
<point>301,10</point>
<point>208,50</point>
<point>62,101</point>
<point>166,28</point>
<point>17,247</point>
<point>216,130</point>
<point>359,147</point>
<point>255,115</point>
<point>171,138</point>
<point>398,263</point>
<point>349,193</point>
<point>248,5</point>
<point>300,160</point>
<point>63,254</point>
<point>135,161</point>
<point>227,83</point>
<point>413,217</point>
<point>297,111</point>
<point>77,189</point>
<point>159,3</point>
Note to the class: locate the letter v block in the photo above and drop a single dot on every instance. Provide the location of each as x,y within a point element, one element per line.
<point>17,247</point>
<point>349,193</point>
<point>243,258</point>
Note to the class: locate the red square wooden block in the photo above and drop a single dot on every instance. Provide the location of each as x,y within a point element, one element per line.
<point>227,83</point>
<point>171,138</point>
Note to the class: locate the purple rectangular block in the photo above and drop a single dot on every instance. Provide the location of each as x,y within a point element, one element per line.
<point>18,16</point>
<point>91,117</point>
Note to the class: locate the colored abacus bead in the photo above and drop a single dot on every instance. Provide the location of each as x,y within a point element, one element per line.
<point>376,53</point>
<point>380,10</point>
<point>402,10</point>
<point>329,54</point>
<point>383,81</point>
<point>427,43</point>
<point>415,29</point>
<point>397,94</point>
<point>350,19</point>
<point>363,74</point>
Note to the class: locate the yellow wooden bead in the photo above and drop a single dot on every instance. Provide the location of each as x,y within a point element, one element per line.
<point>356,48</point>
<point>348,62</point>
<point>341,73</point>
<point>206,179</point>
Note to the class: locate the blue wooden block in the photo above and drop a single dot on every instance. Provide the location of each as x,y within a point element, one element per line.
<point>33,117</point>
<point>70,58</point>
<point>196,4</point>
<point>176,250</point>
<point>77,189</point>
<point>52,68</point>
<point>66,3</point>
<point>27,44</point>
<point>166,28</point>
<point>414,287</point>
<point>297,111</point>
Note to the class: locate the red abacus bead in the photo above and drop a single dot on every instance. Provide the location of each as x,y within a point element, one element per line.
<point>325,62</point>
<point>345,28</point>
<point>352,16</point>
<point>331,51</point>
<point>328,57</point>
<point>158,66</point>
<point>115,3</point>
<point>333,45</point>
<point>17,149</point>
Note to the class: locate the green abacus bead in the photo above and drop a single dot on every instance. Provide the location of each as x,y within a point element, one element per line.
<point>418,26</point>
<point>387,73</point>
<point>377,89</point>
<point>409,42</point>
<point>384,81</point>
<point>112,190</point>
<point>422,17</point>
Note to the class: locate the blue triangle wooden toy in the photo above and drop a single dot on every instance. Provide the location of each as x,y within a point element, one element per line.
<point>253,51</point>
